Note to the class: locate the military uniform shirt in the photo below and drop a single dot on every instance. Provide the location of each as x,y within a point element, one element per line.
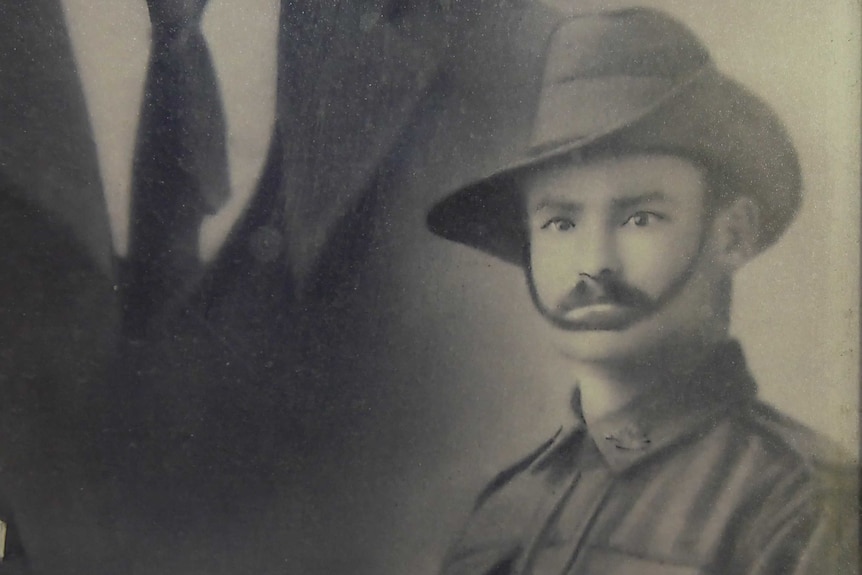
<point>699,478</point>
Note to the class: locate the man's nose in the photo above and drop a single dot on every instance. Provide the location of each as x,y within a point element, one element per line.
<point>597,255</point>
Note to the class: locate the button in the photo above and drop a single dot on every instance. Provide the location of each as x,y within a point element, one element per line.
<point>265,244</point>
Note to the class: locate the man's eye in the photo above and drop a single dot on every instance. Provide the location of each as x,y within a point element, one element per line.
<point>642,219</point>
<point>559,224</point>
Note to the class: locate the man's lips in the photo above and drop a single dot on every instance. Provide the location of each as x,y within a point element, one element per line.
<point>600,316</point>
<point>573,304</point>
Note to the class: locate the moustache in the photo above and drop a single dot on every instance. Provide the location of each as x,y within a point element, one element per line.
<point>604,289</point>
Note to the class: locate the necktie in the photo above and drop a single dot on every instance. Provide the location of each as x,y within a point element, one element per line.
<point>180,168</point>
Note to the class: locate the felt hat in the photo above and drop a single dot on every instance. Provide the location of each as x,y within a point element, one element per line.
<point>633,81</point>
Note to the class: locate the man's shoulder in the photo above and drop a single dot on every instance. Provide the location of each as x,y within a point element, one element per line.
<point>801,497</point>
<point>793,441</point>
<point>781,451</point>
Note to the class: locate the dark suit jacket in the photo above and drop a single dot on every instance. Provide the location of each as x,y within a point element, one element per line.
<point>58,313</point>
<point>246,435</point>
<point>239,409</point>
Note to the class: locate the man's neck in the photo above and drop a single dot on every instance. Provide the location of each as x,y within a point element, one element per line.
<point>607,387</point>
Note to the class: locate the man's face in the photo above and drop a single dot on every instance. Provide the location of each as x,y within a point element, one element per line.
<point>620,256</point>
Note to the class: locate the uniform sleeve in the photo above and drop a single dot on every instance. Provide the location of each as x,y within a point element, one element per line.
<point>813,531</point>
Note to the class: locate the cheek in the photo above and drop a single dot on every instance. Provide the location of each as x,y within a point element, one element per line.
<point>550,273</point>
<point>652,262</point>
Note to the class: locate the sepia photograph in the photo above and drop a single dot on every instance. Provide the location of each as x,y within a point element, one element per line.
<point>455,287</point>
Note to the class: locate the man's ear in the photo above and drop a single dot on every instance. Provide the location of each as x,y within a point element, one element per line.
<point>736,230</point>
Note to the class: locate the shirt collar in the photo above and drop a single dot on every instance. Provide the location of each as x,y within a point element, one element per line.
<point>676,411</point>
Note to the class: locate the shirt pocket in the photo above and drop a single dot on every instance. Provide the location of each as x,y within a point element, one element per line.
<point>613,562</point>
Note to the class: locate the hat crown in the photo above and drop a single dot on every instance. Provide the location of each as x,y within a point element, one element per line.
<point>603,70</point>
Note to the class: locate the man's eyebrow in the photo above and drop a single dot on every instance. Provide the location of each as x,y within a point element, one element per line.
<point>630,201</point>
<point>556,204</point>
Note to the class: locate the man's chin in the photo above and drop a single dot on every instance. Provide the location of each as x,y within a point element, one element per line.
<point>611,346</point>
<point>642,344</point>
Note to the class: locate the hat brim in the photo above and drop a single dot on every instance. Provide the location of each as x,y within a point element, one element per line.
<point>710,119</point>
